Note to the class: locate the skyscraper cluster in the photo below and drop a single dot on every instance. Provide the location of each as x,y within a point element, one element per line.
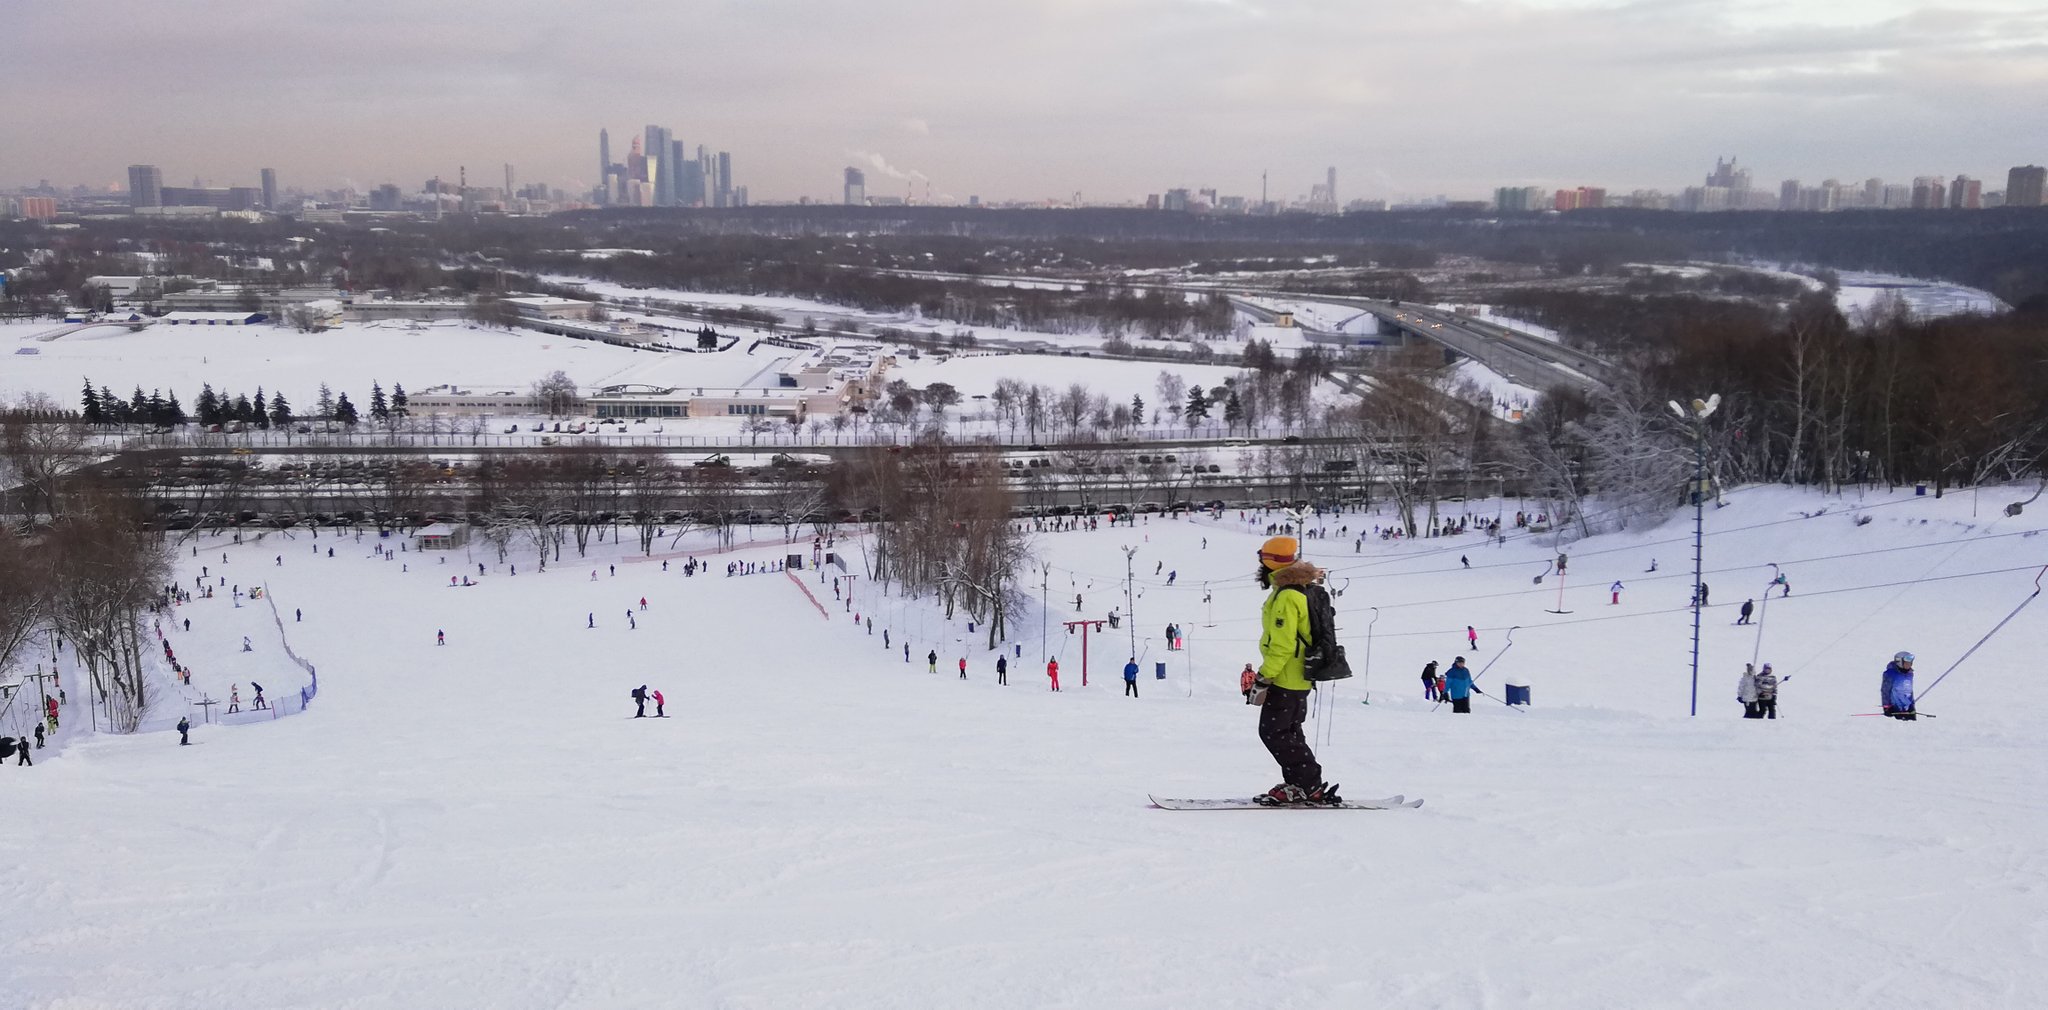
<point>658,172</point>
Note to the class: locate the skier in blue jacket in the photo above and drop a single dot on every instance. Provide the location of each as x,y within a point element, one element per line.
<point>1131,677</point>
<point>1897,690</point>
<point>1458,682</point>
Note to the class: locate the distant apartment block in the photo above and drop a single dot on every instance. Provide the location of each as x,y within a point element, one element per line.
<point>145,186</point>
<point>1966,193</point>
<point>856,187</point>
<point>39,208</point>
<point>2023,186</point>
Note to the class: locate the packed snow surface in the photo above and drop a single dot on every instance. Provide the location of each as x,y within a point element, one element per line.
<point>822,824</point>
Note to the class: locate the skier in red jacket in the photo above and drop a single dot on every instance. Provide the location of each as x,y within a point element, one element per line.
<point>1052,670</point>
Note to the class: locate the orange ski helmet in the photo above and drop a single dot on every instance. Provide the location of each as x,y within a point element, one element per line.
<point>1279,552</point>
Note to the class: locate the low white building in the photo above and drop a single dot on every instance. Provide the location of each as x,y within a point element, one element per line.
<point>550,307</point>
<point>211,318</point>
<point>461,401</point>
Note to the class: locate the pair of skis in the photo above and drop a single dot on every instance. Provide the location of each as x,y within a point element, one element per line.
<point>1396,802</point>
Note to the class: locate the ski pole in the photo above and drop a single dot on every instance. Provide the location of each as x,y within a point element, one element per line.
<point>1986,638</point>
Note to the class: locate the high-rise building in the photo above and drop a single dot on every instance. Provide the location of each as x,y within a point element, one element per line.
<point>39,208</point>
<point>1175,199</point>
<point>1788,195</point>
<point>508,180</point>
<point>1966,193</point>
<point>660,174</point>
<point>1728,176</point>
<point>604,166</point>
<point>145,186</point>
<point>2023,186</point>
<point>1930,192</point>
<point>269,188</point>
<point>692,194</point>
<point>856,187</point>
<point>724,197</point>
<point>681,165</point>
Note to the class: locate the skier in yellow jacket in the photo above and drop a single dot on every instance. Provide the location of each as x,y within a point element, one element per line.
<point>1281,688</point>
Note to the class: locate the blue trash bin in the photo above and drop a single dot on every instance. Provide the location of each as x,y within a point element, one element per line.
<point>1159,671</point>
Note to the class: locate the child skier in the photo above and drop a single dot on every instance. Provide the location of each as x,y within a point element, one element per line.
<point>1286,639</point>
<point>1766,693</point>
<point>1896,690</point>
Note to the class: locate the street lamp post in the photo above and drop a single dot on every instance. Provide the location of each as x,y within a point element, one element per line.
<point>1697,418</point>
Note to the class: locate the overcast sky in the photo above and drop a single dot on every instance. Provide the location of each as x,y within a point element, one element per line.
<point>1024,99</point>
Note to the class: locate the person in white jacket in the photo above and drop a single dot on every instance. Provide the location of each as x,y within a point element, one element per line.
<point>1745,691</point>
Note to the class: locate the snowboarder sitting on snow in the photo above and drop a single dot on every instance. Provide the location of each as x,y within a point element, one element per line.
<point>640,702</point>
<point>1897,688</point>
<point>1284,640</point>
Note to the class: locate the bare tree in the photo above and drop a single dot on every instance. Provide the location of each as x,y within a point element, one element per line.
<point>555,393</point>
<point>103,576</point>
<point>43,448</point>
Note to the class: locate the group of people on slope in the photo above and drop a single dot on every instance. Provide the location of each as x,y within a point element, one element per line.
<point>1757,690</point>
<point>1454,685</point>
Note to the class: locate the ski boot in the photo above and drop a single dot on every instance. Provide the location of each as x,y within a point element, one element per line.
<point>1324,795</point>
<point>1282,795</point>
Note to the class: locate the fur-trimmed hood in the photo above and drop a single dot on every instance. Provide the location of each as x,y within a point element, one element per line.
<point>1300,573</point>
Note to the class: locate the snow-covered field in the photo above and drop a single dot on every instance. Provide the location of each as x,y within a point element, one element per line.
<point>347,358</point>
<point>1927,299</point>
<point>821,824</point>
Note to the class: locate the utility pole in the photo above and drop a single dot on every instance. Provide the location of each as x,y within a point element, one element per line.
<point>1130,603</point>
<point>1701,410</point>
<point>1044,606</point>
<point>42,696</point>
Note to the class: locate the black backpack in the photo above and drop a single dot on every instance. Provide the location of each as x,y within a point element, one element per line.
<point>1325,658</point>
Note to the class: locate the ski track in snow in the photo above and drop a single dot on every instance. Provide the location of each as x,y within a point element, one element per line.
<point>820,824</point>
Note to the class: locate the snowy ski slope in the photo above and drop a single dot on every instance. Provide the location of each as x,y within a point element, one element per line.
<point>820,824</point>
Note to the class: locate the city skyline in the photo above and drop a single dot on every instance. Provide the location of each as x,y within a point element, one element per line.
<point>1040,100</point>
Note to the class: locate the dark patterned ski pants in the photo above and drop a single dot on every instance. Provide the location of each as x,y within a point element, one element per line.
<point>1280,730</point>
